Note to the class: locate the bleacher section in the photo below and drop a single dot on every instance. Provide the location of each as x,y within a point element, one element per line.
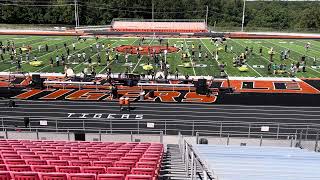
<point>252,163</point>
<point>63,160</point>
<point>145,26</point>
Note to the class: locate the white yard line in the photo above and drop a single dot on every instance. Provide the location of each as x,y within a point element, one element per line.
<point>31,46</point>
<point>212,55</point>
<point>141,58</point>
<point>187,46</point>
<point>291,58</point>
<point>92,56</point>
<point>247,63</point>
<point>42,56</point>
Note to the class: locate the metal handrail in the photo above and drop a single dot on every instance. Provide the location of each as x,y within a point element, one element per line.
<point>214,128</point>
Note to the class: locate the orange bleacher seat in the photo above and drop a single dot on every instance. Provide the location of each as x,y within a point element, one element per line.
<point>143,171</point>
<point>14,161</point>
<point>129,164</point>
<point>68,169</point>
<point>36,162</point>
<point>102,163</point>
<point>25,176</point>
<point>18,168</point>
<point>138,177</point>
<point>53,176</point>
<point>118,170</point>
<point>80,163</point>
<point>5,175</point>
<point>110,177</point>
<point>43,168</point>
<point>82,177</point>
<point>58,162</point>
<point>93,169</point>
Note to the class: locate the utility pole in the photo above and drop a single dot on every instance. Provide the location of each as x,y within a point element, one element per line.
<point>76,13</point>
<point>207,15</point>
<point>243,12</point>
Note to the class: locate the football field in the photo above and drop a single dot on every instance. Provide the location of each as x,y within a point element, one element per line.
<point>208,65</point>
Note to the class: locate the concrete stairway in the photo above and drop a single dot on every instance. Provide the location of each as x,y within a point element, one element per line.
<point>173,167</point>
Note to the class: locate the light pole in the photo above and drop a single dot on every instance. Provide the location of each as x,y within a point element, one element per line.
<point>243,12</point>
<point>76,13</point>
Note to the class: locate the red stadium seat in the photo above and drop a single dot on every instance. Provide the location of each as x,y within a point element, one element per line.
<point>44,153</point>
<point>156,160</point>
<point>36,162</point>
<point>79,154</point>
<point>8,152</point>
<point>146,165</point>
<point>131,158</point>
<point>113,159</point>
<point>133,155</point>
<point>43,168</point>
<point>53,176</point>
<point>19,168</point>
<point>102,163</point>
<point>129,164</point>
<point>14,161</point>
<point>25,176</point>
<point>5,175</point>
<point>82,177</point>
<point>97,154</point>
<point>69,158</point>
<point>3,167</point>
<point>22,153</point>
<point>115,154</point>
<point>93,170</point>
<point>11,156</point>
<point>85,158</point>
<point>30,157</point>
<point>58,162</point>
<point>80,163</point>
<point>146,155</point>
<point>138,177</point>
<point>143,171</point>
<point>61,153</point>
<point>118,170</point>
<point>49,157</point>
<point>110,177</point>
<point>68,169</point>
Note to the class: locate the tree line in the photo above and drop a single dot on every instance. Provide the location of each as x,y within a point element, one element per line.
<point>222,13</point>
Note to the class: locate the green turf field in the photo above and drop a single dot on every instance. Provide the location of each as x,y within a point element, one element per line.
<point>208,67</point>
